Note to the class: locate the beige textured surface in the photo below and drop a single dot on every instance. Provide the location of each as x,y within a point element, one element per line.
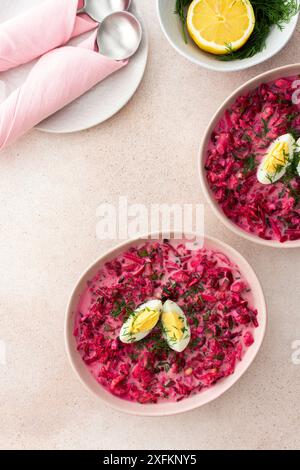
<point>51,186</point>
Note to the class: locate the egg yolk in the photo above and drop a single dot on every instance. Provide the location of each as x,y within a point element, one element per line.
<point>277,158</point>
<point>173,324</point>
<point>144,321</point>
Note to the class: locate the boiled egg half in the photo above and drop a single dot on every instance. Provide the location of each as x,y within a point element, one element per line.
<point>278,157</point>
<point>141,321</point>
<point>176,330</point>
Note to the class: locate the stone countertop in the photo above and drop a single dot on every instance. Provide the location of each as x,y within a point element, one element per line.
<point>51,186</point>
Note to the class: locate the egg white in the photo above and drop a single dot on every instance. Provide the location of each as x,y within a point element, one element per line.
<point>181,344</point>
<point>126,327</point>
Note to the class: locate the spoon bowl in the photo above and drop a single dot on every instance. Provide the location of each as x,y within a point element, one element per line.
<point>119,35</point>
<point>99,9</point>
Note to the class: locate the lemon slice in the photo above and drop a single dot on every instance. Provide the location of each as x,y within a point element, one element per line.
<point>216,25</point>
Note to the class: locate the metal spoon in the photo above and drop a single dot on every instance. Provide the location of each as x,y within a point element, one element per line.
<point>119,35</point>
<point>99,9</point>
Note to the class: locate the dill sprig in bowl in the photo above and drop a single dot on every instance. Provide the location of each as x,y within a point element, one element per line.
<point>275,24</point>
<point>268,14</point>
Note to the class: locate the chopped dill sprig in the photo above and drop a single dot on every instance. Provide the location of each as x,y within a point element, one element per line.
<point>266,128</point>
<point>120,307</point>
<point>180,9</point>
<point>267,14</point>
<point>291,170</point>
<point>249,164</point>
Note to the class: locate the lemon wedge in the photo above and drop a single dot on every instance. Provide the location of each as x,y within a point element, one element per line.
<point>217,25</point>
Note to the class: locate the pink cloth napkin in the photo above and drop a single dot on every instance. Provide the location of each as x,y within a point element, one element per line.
<point>39,30</point>
<point>59,77</point>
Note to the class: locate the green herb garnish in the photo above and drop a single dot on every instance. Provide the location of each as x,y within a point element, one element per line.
<point>206,315</point>
<point>154,277</point>
<point>250,164</point>
<point>169,383</point>
<point>194,343</point>
<point>195,289</point>
<point>266,128</point>
<point>180,9</point>
<point>143,253</point>
<point>119,306</point>
<point>290,174</point>
<point>267,15</point>
<point>159,345</point>
<point>165,365</point>
<point>219,357</point>
<point>133,356</point>
<point>246,137</point>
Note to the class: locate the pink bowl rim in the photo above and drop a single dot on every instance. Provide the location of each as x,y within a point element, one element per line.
<point>165,408</point>
<point>251,84</point>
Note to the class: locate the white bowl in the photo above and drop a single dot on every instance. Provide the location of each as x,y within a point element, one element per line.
<point>285,71</point>
<point>165,408</point>
<point>171,27</point>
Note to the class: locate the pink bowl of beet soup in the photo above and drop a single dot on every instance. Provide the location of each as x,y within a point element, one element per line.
<point>234,145</point>
<point>220,296</point>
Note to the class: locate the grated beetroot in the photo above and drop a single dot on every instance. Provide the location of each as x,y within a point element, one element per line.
<point>214,298</point>
<point>237,146</point>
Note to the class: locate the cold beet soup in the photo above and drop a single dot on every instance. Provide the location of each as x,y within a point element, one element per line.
<point>252,165</point>
<point>203,284</point>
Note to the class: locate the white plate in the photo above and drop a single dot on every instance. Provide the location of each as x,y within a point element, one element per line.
<point>171,26</point>
<point>98,104</point>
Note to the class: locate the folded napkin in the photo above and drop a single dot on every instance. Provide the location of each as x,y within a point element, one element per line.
<point>39,30</point>
<point>58,78</point>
